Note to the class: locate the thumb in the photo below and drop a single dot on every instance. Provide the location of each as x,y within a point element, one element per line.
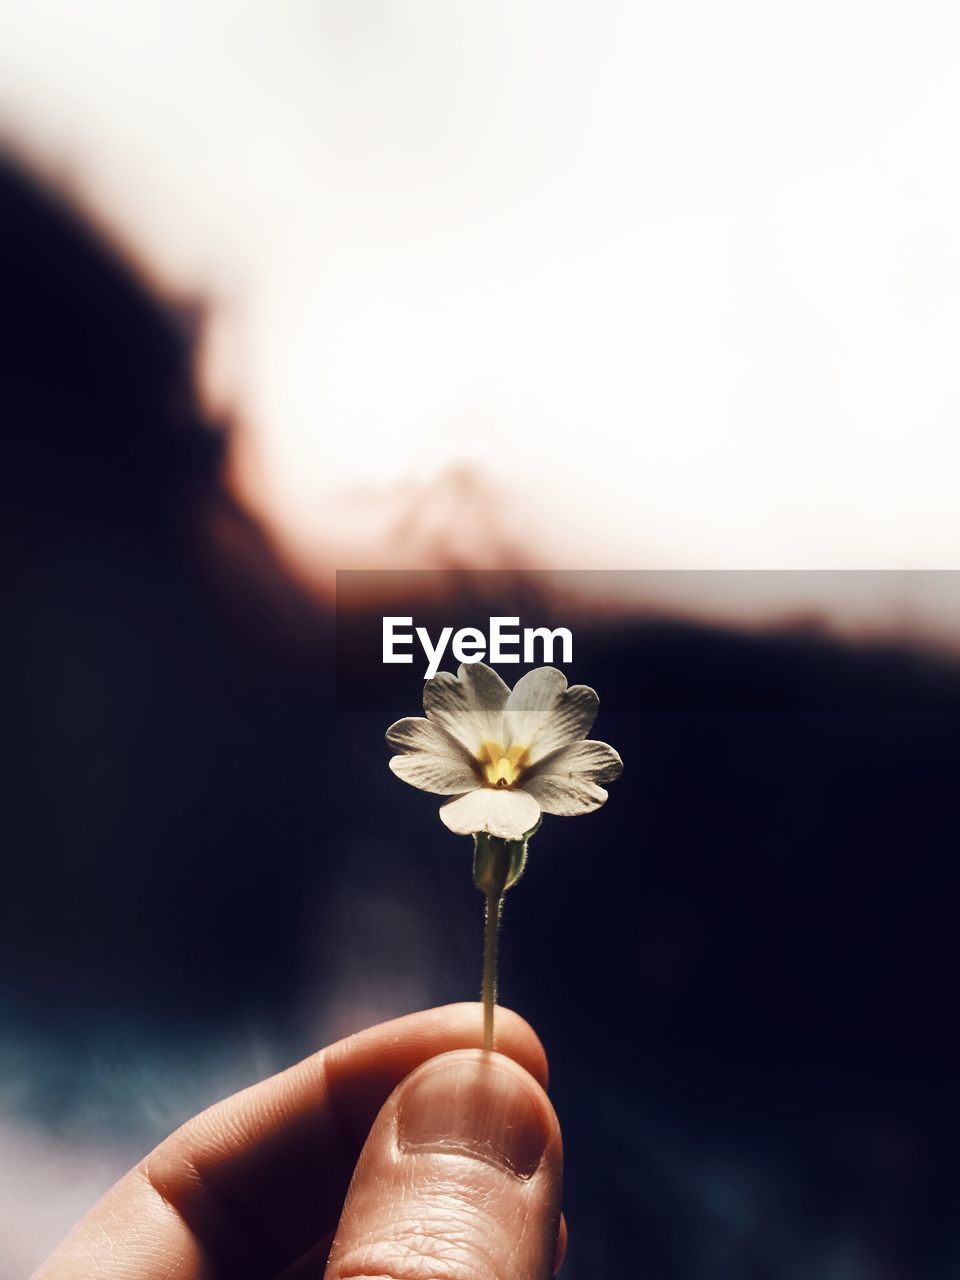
<point>460,1176</point>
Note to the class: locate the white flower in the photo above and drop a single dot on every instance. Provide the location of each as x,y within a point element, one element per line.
<point>505,756</point>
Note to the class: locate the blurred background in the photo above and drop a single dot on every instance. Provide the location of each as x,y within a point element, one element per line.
<point>662,294</point>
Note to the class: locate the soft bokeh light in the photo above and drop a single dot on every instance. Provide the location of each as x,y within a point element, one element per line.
<point>680,281</point>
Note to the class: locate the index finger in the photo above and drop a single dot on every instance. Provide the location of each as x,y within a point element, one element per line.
<point>249,1185</point>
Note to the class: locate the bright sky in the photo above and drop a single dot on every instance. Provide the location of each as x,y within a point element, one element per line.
<point>681,280</point>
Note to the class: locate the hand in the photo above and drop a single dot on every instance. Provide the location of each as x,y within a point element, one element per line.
<point>454,1154</point>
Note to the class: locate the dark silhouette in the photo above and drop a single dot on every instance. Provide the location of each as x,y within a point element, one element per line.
<point>156,657</point>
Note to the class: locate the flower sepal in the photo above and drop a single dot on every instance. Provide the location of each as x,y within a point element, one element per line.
<point>497,863</point>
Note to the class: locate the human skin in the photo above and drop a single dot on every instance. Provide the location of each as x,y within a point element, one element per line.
<point>400,1153</point>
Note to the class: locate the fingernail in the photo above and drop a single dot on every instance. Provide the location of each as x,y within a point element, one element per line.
<point>477,1109</point>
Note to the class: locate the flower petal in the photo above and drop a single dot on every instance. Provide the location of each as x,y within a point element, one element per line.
<point>468,705</point>
<point>439,774</point>
<point>507,814</point>
<point>543,715</point>
<point>596,761</point>
<point>567,782</point>
<point>430,759</point>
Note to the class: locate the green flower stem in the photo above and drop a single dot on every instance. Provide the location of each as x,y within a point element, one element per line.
<point>497,864</point>
<point>491,929</point>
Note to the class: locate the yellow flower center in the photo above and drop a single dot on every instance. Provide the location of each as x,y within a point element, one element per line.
<point>501,766</point>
